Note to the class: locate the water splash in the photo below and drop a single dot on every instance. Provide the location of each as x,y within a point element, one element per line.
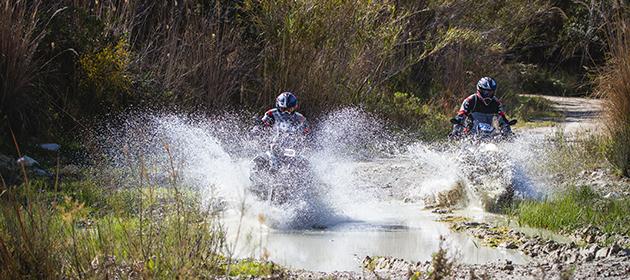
<point>357,161</point>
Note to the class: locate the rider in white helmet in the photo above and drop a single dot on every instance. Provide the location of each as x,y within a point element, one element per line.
<point>483,101</point>
<point>285,114</point>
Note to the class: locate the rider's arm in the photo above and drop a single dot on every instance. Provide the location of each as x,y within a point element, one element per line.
<point>500,111</point>
<point>466,107</point>
<point>304,126</point>
<point>268,119</point>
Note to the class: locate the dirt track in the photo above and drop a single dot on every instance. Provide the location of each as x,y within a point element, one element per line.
<point>577,113</point>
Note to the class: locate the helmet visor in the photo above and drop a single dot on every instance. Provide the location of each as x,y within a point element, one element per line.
<point>288,109</point>
<point>486,93</point>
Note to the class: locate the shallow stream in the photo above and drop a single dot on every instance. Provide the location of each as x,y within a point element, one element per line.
<point>372,187</point>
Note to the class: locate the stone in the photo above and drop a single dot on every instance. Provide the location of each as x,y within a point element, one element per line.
<point>508,245</point>
<point>614,249</point>
<point>588,254</point>
<point>27,161</point>
<point>601,253</point>
<point>8,168</point>
<point>441,211</point>
<point>471,224</point>
<point>52,147</point>
<point>571,258</point>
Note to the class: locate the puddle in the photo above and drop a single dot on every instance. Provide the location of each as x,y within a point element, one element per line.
<point>341,247</point>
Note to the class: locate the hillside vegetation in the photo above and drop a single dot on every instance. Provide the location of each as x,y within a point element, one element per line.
<point>65,64</point>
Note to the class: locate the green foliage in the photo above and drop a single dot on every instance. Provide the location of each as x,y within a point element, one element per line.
<point>249,268</point>
<point>410,112</point>
<point>529,108</point>
<point>328,52</point>
<point>162,233</point>
<point>576,208</point>
<point>67,62</point>
<point>537,80</point>
<point>441,264</point>
<point>105,74</point>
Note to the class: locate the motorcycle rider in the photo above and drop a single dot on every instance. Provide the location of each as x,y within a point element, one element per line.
<point>285,114</point>
<point>483,101</point>
<point>287,124</point>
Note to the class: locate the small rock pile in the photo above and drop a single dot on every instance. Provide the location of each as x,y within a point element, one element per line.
<point>592,234</point>
<point>544,251</point>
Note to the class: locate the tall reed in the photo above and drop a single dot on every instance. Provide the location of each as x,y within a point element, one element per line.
<point>613,84</point>
<point>20,67</point>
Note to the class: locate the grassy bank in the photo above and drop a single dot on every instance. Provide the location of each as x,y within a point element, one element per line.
<point>574,209</point>
<point>82,230</point>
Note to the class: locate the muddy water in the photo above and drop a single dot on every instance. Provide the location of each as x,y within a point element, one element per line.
<point>400,230</point>
<point>364,175</point>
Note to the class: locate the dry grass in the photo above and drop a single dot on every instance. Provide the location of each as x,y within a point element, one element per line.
<point>20,68</point>
<point>82,230</point>
<point>613,85</point>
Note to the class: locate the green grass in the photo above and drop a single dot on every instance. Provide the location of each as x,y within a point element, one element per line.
<point>574,209</point>
<point>534,108</point>
<point>82,230</point>
<point>250,267</point>
<point>534,124</point>
<point>568,156</point>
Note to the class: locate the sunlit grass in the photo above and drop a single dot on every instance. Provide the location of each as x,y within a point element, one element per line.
<point>576,208</point>
<point>80,229</point>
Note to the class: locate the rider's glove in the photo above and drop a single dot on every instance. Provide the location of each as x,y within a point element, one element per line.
<point>460,119</point>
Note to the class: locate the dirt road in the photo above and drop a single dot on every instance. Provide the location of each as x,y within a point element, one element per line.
<point>577,114</point>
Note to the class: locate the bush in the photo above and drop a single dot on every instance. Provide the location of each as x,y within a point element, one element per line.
<point>537,80</point>
<point>613,84</point>
<point>533,107</point>
<point>22,100</point>
<point>106,79</point>
<point>164,234</point>
<point>411,113</point>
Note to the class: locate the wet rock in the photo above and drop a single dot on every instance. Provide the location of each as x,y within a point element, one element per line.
<point>551,246</point>
<point>8,169</point>
<point>471,224</point>
<point>571,258</point>
<point>588,254</point>
<point>601,253</point>
<point>508,245</point>
<point>52,147</point>
<point>441,211</point>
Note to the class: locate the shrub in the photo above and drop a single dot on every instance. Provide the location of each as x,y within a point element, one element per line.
<point>106,80</point>
<point>613,84</point>
<point>413,114</point>
<point>162,233</point>
<point>22,101</point>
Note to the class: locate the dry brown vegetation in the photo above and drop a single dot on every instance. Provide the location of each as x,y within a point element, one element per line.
<point>81,60</point>
<point>614,86</point>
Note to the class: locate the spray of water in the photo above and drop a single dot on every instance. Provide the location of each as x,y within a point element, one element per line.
<point>357,162</point>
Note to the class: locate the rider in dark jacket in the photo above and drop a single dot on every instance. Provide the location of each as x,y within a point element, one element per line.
<point>483,101</point>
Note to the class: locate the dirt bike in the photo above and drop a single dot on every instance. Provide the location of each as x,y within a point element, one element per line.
<point>281,174</point>
<point>481,127</point>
